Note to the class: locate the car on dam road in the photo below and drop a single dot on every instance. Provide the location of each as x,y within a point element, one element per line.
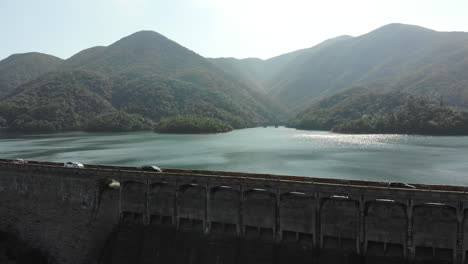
<point>400,185</point>
<point>73,164</point>
<point>19,161</point>
<point>150,168</point>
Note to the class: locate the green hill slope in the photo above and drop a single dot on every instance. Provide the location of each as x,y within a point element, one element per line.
<point>21,68</point>
<point>146,74</point>
<point>359,110</point>
<point>57,101</point>
<point>151,77</point>
<point>394,57</point>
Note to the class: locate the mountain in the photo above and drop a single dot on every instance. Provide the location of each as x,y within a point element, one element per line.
<point>147,77</point>
<point>393,57</point>
<point>263,74</point>
<point>21,68</point>
<point>144,74</point>
<point>144,52</point>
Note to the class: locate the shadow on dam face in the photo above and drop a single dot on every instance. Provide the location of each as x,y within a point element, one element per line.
<point>14,251</point>
<point>160,243</point>
<point>136,243</point>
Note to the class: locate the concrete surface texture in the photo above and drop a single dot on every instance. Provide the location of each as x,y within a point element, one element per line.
<point>182,216</point>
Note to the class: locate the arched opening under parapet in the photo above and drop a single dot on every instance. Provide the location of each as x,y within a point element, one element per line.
<point>297,217</point>
<point>259,213</point>
<point>386,226</point>
<point>389,202</point>
<point>335,196</point>
<point>192,206</point>
<point>161,203</point>
<point>220,189</point>
<point>225,187</point>
<point>191,188</point>
<point>133,201</point>
<point>224,210</point>
<point>156,187</point>
<point>296,230</point>
<point>339,223</point>
<point>435,232</point>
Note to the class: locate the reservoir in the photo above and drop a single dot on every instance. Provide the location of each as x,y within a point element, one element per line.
<point>395,158</point>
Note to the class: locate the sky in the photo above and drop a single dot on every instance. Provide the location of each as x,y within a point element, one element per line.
<point>212,28</point>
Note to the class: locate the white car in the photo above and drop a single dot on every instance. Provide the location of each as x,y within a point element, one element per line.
<point>19,161</point>
<point>73,164</point>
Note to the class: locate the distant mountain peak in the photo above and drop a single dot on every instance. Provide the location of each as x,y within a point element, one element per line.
<point>143,51</point>
<point>147,43</point>
<point>29,54</point>
<point>146,33</point>
<point>399,27</point>
<point>143,35</point>
<point>22,67</point>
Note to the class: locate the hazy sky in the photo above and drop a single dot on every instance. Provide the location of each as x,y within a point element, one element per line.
<point>212,28</point>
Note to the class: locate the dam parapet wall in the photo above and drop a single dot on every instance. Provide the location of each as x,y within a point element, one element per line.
<point>73,216</point>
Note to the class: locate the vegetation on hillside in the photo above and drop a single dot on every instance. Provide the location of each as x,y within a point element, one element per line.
<point>57,101</point>
<point>391,58</point>
<point>350,104</point>
<point>416,116</point>
<point>146,77</point>
<point>18,69</point>
<point>361,111</point>
<point>145,74</point>
<point>187,124</point>
<point>157,97</point>
<point>119,122</point>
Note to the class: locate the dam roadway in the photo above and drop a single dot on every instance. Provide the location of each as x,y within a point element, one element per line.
<point>196,216</point>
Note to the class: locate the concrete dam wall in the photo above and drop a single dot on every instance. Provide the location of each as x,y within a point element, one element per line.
<point>183,216</point>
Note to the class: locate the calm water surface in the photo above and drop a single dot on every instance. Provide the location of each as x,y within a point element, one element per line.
<point>414,159</point>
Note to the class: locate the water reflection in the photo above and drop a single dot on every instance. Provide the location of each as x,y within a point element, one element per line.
<point>346,140</point>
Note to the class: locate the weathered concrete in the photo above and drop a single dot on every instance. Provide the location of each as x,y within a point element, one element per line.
<point>181,216</point>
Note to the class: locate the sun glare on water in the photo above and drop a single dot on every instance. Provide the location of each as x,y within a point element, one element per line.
<point>344,140</point>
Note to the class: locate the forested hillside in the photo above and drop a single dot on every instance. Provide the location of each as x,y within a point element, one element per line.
<point>57,101</point>
<point>192,124</point>
<point>359,110</point>
<point>21,68</point>
<point>145,77</point>
<point>144,74</point>
<point>395,57</point>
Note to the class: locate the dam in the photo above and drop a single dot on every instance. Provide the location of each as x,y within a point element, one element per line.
<point>194,216</point>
